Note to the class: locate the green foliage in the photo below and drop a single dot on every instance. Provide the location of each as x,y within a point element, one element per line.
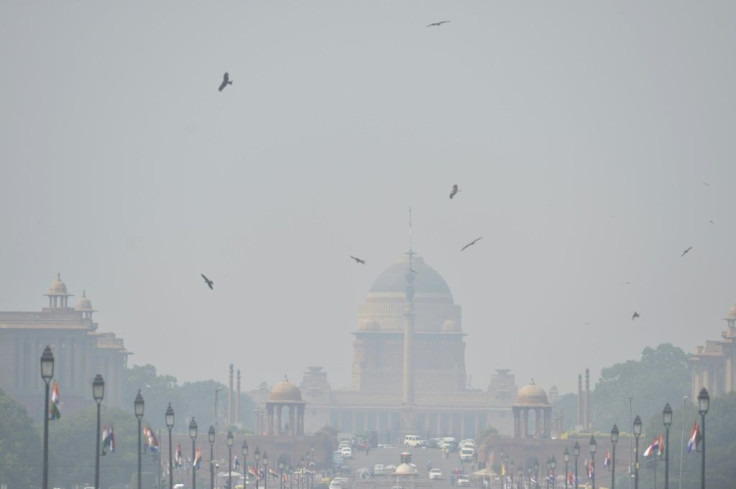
<point>662,375</point>
<point>21,447</point>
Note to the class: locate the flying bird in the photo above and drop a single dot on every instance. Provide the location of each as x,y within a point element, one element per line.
<point>225,81</point>
<point>471,243</point>
<point>357,260</point>
<point>635,315</point>
<point>209,282</point>
<point>685,252</point>
<point>454,191</point>
<point>437,24</point>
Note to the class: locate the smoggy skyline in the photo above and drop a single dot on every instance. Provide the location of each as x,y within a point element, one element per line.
<point>592,144</point>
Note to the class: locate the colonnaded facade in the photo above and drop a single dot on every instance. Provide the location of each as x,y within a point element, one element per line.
<point>714,364</point>
<point>408,371</point>
<point>80,352</point>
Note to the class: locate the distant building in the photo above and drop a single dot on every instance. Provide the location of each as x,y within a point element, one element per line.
<point>408,370</point>
<point>80,352</point>
<point>714,364</point>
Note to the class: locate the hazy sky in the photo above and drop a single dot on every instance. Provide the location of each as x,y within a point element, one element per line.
<point>593,143</point>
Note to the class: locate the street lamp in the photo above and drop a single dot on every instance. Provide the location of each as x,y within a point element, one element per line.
<point>230,461</point>
<point>637,434</point>
<point>138,406</point>
<point>170,424</point>
<point>549,470</point>
<point>576,454</point>
<point>703,405</point>
<point>47,373</point>
<point>281,473</point>
<point>667,420</point>
<point>553,464</point>
<point>211,438</point>
<point>566,458</point>
<point>98,392</point>
<point>244,449</point>
<point>257,457</point>
<point>265,469</point>
<point>536,474</point>
<point>193,436</point>
<point>614,440</point>
<point>593,448</point>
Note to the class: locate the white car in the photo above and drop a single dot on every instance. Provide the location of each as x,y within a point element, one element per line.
<point>346,452</point>
<point>462,481</point>
<point>435,474</point>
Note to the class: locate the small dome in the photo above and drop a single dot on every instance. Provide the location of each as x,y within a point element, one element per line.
<point>84,304</point>
<point>57,287</point>
<point>731,312</point>
<point>531,395</point>
<point>285,391</point>
<point>405,469</point>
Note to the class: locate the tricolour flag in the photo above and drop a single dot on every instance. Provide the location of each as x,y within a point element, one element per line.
<point>108,440</point>
<point>653,448</point>
<point>570,478</point>
<point>151,441</point>
<point>692,443</point>
<point>197,459</point>
<point>607,459</point>
<point>591,471</point>
<point>54,412</point>
<point>660,450</point>
<point>178,460</point>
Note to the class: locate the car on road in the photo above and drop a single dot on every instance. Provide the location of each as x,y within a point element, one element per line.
<point>435,474</point>
<point>346,452</point>
<point>462,481</point>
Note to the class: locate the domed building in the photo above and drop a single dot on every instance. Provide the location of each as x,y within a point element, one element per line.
<point>285,395</point>
<point>714,364</point>
<point>80,352</point>
<point>532,399</point>
<point>408,370</point>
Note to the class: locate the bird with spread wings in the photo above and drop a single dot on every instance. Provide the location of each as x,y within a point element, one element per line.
<point>437,24</point>
<point>357,260</point>
<point>225,81</point>
<point>471,243</point>
<point>209,282</point>
<point>454,191</point>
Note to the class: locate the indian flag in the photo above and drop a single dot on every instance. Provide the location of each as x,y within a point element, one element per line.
<point>108,440</point>
<point>54,411</point>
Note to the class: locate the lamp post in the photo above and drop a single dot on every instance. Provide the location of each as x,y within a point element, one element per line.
<point>138,406</point>
<point>47,373</point>
<point>257,457</point>
<point>637,434</point>
<point>265,469</point>
<point>211,437</point>
<point>593,448</point>
<point>244,449</point>
<point>549,471</point>
<point>703,405</point>
<point>667,420</point>
<point>281,473</point>
<point>614,440</point>
<point>576,454</point>
<point>553,465</point>
<point>536,474</point>
<point>193,436</point>
<point>98,393</point>
<point>169,425</point>
<point>566,458</point>
<point>230,460</point>
<point>511,465</point>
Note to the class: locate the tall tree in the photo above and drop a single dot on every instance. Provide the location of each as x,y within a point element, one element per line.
<point>20,445</point>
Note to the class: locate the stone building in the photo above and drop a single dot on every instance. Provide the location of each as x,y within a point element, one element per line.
<point>80,352</point>
<point>408,370</point>
<point>714,364</point>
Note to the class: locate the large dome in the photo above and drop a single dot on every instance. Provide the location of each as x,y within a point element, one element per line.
<point>427,282</point>
<point>285,391</point>
<point>531,395</point>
